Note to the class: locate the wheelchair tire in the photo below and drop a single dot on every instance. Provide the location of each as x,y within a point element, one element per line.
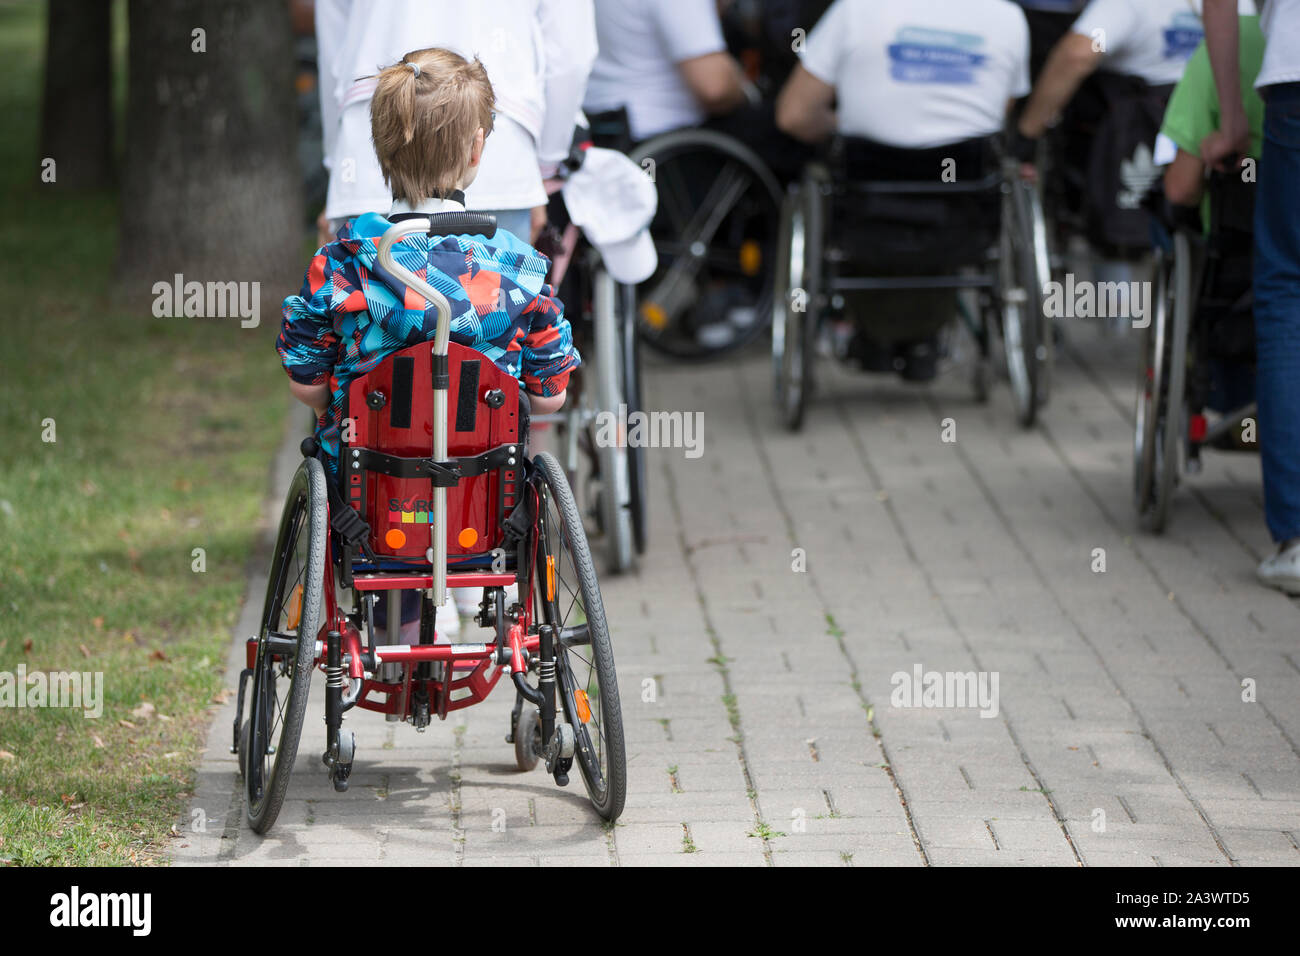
<point>1022,288</point>
<point>291,616</point>
<point>613,458</point>
<point>1160,419</point>
<point>528,739</point>
<point>794,302</point>
<point>568,598</point>
<point>636,464</point>
<point>753,195</point>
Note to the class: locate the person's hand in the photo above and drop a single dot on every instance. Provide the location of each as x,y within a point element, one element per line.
<point>1029,173</point>
<point>536,223</point>
<point>323,234</point>
<point>1228,143</point>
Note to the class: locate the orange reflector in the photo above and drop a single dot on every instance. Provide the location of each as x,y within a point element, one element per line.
<point>395,538</point>
<point>295,608</point>
<point>550,577</point>
<point>583,705</point>
<point>751,257</point>
<point>468,537</point>
<point>654,315</point>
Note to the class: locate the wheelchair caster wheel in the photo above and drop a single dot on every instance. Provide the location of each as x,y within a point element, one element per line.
<point>341,768</point>
<point>559,752</point>
<point>527,739</point>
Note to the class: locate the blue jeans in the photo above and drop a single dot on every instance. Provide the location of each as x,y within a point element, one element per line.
<point>1277,309</point>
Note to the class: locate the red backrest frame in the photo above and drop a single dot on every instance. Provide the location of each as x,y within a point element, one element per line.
<point>404,428</point>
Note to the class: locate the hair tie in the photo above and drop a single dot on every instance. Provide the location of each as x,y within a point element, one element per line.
<point>415,68</point>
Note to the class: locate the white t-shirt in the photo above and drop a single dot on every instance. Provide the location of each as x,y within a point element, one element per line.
<point>641,42</point>
<point>1150,39</point>
<point>536,53</point>
<point>922,73</point>
<point>1280,21</point>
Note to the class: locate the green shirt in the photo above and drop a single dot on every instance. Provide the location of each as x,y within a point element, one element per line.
<point>1193,111</point>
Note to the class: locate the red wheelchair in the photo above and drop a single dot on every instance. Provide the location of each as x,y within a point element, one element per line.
<point>435,491</point>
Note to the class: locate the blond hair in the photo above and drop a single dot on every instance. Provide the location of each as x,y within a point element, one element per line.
<point>423,117</point>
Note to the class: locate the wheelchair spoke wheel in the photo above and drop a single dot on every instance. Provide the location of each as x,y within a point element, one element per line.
<point>613,451</point>
<point>1160,419</point>
<point>712,291</point>
<point>286,648</point>
<point>636,465</point>
<point>1022,287</point>
<point>794,313</point>
<point>568,598</point>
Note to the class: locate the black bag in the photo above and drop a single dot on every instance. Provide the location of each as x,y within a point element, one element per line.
<point>1121,170</point>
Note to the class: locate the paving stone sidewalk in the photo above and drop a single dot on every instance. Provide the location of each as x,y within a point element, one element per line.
<point>757,698</point>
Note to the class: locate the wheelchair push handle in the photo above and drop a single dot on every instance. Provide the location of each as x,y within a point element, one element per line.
<point>449,223</point>
<point>442,223</point>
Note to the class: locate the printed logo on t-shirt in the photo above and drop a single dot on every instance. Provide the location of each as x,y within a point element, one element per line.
<point>1183,36</point>
<point>923,55</point>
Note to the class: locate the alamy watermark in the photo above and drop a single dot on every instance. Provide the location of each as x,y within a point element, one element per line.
<point>77,689</point>
<point>128,910</point>
<point>945,689</point>
<point>624,429</point>
<point>1073,299</point>
<point>208,300</point>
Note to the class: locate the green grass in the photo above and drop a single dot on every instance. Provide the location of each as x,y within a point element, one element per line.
<point>164,432</point>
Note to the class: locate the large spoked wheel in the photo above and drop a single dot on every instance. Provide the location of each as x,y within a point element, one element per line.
<point>1024,272</point>
<point>286,649</point>
<point>613,451</point>
<point>1160,419</point>
<point>713,232</point>
<point>794,304</point>
<point>567,597</point>
<point>636,464</point>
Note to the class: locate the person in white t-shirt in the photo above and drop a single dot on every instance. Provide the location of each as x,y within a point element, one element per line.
<point>537,54</point>
<point>1148,39</point>
<point>665,62</point>
<point>916,75</point>
<point>1277,255</point>
<point>906,77</point>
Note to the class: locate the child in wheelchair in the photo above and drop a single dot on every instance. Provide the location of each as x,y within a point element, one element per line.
<point>430,115</point>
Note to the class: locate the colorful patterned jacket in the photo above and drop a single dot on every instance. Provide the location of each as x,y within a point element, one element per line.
<point>348,318</point>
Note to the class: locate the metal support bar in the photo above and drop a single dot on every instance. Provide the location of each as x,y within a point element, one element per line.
<point>442,336</point>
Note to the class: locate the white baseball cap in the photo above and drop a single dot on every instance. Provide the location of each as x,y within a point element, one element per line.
<point>612,200</point>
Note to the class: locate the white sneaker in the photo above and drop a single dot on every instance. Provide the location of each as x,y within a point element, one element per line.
<point>448,620</point>
<point>1282,570</point>
<point>467,600</point>
<point>446,628</point>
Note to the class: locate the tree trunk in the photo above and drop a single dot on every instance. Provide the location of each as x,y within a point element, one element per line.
<point>211,187</point>
<point>76,112</point>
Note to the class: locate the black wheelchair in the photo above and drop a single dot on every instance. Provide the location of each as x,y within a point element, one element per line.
<point>871,226</point>
<point>714,234</point>
<point>1198,348</point>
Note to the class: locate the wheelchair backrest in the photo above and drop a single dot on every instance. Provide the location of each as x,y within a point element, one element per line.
<point>390,409</point>
<point>916,210</point>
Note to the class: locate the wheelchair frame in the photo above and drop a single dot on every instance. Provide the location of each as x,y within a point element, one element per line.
<point>1012,298</point>
<point>1168,436</point>
<point>603,315</point>
<point>305,628</point>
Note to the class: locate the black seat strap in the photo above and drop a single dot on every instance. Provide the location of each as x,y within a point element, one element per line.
<point>443,474</point>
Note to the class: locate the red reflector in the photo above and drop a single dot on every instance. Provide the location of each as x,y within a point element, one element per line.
<point>1197,428</point>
